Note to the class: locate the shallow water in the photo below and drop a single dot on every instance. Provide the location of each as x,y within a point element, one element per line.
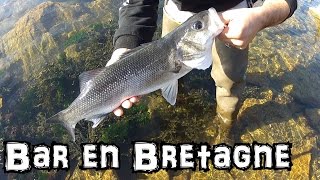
<point>40,62</point>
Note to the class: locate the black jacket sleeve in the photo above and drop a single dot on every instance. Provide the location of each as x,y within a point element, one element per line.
<point>137,23</point>
<point>293,6</point>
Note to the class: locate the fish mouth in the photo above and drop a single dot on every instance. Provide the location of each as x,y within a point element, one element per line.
<point>198,61</point>
<point>216,24</point>
<point>192,56</point>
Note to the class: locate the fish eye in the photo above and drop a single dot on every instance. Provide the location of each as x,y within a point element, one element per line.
<point>198,25</point>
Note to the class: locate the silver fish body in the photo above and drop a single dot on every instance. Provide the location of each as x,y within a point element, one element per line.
<point>152,66</point>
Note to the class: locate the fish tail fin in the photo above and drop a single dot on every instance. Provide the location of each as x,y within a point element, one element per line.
<point>59,118</point>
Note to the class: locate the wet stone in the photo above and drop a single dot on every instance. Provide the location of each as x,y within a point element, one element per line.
<point>315,163</point>
<point>92,174</point>
<point>301,167</point>
<point>313,116</point>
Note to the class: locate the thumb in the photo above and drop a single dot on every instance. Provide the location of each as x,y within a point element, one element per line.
<point>225,17</point>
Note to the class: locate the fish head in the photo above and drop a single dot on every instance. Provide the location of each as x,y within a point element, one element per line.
<point>197,35</point>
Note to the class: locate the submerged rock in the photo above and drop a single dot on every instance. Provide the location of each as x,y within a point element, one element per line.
<point>91,174</point>
<point>39,36</point>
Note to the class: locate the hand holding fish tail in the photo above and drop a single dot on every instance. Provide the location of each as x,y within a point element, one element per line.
<point>129,102</point>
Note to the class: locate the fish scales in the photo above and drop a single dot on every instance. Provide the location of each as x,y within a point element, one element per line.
<point>125,83</point>
<point>152,66</point>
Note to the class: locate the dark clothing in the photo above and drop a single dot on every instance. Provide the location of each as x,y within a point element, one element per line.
<point>138,18</point>
<point>137,23</point>
<point>293,6</point>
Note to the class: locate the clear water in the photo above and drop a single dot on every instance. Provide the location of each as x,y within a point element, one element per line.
<point>40,61</point>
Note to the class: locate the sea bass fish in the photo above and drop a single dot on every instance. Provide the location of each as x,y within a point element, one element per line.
<point>147,68</point>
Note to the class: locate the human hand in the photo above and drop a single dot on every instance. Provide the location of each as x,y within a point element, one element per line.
<point>242,25</point>
<point>126,105</point>
<point>129,102</point>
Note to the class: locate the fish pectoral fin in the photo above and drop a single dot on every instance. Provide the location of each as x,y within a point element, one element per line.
<point>176,69</point>
<point>85,77</point>
<point>71,130</point>
<point>96,121</point>
<point>170,92</point>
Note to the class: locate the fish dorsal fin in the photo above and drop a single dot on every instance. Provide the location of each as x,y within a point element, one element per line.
<point>131,51</point>
<point>96,121</point>
<point>170,91</point>
<point>87,76</point>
